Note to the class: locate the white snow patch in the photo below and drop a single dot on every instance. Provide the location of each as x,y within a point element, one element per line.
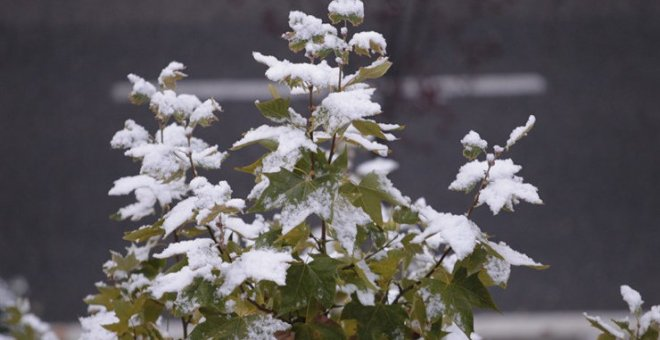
<point>256,264</point>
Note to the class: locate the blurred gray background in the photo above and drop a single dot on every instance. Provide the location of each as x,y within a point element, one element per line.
<point>589,70</point>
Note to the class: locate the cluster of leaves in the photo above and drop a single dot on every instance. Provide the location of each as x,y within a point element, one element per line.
<point>637,326</point>
<point>345,255</point>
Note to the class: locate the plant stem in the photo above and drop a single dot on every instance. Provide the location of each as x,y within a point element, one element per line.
<point>192,164</point>
<point>332,148</point>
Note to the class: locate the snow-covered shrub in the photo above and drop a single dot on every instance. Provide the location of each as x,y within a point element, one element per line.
<point>16,319</point>
<point>345,253</point>
<point>637,326</point>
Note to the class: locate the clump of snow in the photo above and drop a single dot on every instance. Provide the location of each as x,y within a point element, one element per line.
<point>148,192</point>
<point>632,298</point>
<point>352,135</point>
<point>290,140</point>
<point>520,132</point>
<point>511,256</point>
<point>256,264</point>
<point>141,86</point>
<point>180,214</point>
<point>173,70</point>
<point>92,326</point>
<point>503,189</point>
<point>131,136</point>
<point>247,230</point>
<point>473,140</point>
<point>379,165</point>
<point>320,75</point>
<point>367,41</point>
<point>652,317</point>
<point>204,112</point>
<point>457,231</point>
<point>339,109</point>
<point>347,8</point>
<point>307,27</point>
<point>203,257</point>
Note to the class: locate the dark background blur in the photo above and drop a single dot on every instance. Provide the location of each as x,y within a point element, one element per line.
<point>593,155</point>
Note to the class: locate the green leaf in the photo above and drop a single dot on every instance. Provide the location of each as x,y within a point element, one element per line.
<point>370,72</point>
<point>387,266</point>
<point>145,232</point>
<point>221,328</point>
<point>251,168</point>
<point>293,186</point>
<point>405,215</point>
<point>368,195</point>
<point>377,322</point>
<point>310,281</point>
<point>651,334</point>
<point>368,128</point>
<point>461,295</point>
<point>353,18</point>
<point>321,328</point>
<point>276,109</point>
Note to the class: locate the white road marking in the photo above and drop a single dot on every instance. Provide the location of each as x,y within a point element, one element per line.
<point>445,87</point>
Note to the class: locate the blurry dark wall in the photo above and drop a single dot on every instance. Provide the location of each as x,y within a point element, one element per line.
<point>593,155</point>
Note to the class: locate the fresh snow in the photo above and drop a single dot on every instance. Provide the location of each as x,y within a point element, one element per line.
<point>367,40</point>
<point>92,326</point>
<point>473,140</point>
<point>256,264</point>
<point>173,69</point>
<point>511,256</point>
<point>264,327</point>
<point>503,189</point>
<point>347,8</point>
<point>379,165</point>
<point>339,109</point>
<point>148,192</point>
<point>457,231</point>
<point>141,86</point>
<point>320,75</point>
<point>355,137</point>
<point>520,132</point>
<point>615,332</point>
<point>345,219</point>
<point>632,298</point>
<point>203,257</point>
<point>290,140</point>
<point>247,230</point>
<point>131,136</point>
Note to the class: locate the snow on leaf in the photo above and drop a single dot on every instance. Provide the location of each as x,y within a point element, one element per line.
<point>311,34</point>
<point>632,298</point>
<point>353,136</point>
<point>131,136</point>
<point>289,141</point>
<point>503,189</point>
<point>170,74</point>
<point>257,264</point>
<point>520,132</point>
<point>92,326</point>
<point>506,192</point>
<point>203,113</point>
<point>180,214</point>
<point>513,257</point>
<point>345,219</point>
<point>457,231</point>
<point>473,145</point>
<point>339,109</point>
<point>652,317</point>
<point>349,10</point>
<point>209,158</point>
<point>598,323</point>
<point>142,89</point>
<point>303,75</point>
<point>148,192</point>
<point>379,165</point>
<point>247,230</point>
<point>365,42</point>
<point>203,257</point>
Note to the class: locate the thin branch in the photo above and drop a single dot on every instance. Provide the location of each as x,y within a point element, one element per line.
<point>332,148</point>
<point>418,282</point>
